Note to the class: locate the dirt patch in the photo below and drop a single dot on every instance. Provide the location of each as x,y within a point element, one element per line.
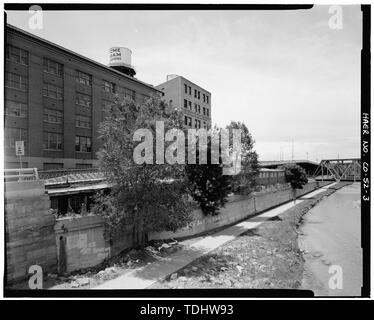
<point>262,258</point>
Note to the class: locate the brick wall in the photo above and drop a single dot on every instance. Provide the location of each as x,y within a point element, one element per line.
<point>29,233</point>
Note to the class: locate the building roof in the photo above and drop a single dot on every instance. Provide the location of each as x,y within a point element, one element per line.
<point>78,189</point>
<point>77,55</point>
<point>178,76</point>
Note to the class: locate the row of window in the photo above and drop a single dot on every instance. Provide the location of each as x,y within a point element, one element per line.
<point>54,141</point>
<point>56,117</point>
<point>15,109</point>
<point>51,141</point>
<point>18,109</point>
<point>269,174</point>
<point>17,55</point>
<point>197,124</point>
<point>51,91</point>
<point>197,108</point>
<point>53,67</point>
<point>188,90</point>
<point>16,81</point>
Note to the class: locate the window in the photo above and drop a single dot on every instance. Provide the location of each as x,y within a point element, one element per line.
<point>52,166</point>
<point>185,103</point>
<point>82,144</point>
<point>15,109</point>
<point>18,55</point>
<point>204,97</point>
<point>52,141</point>
<point>207,99</point>
<point>14,134</point>
<point>195,93</point>
<point>204,111</point>
<point>108,87</point>
<point>83,78</point>
<point>106,104</point>
<point>198,109</point>
<point>52,116</point>
<point>204,123</point>
<point>83,99</point>
<point>129,93</point>
<point>190,105</point>
<point>15,81</point>
<point>195,107</point>
<point>52,67</point>
<point>189,90</point>
<point>185,88</point>
<point>188,121</point>
<point>198,95</point>
<point>207,112</point>
<point>82,122</point>
<point>52,91</point>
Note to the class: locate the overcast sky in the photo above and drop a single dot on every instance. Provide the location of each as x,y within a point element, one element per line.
<point>286,74</point>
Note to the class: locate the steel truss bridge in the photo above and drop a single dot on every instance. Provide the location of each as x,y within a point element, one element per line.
<point>339,170</point>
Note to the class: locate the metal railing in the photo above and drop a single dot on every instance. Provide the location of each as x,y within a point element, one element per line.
<point>27,174</point>
<point>71,176</point>
<point>49,174</point>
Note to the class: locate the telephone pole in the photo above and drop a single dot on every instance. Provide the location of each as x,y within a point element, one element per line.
<point>292,149</point>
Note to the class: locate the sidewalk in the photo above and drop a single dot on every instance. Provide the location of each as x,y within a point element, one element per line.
<point>145,276</point>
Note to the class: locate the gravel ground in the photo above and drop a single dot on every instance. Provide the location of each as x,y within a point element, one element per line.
<point>262,258</point>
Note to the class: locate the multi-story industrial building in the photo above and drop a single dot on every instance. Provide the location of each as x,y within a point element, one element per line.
<point>54,100</point>
<point>194,101</point>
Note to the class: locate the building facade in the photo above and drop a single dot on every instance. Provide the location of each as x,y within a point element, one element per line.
<point>54,101</point>
<point>194,101</point>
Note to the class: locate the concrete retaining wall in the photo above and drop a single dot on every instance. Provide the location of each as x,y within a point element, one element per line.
<point>80,242</point>
<point>238,208</point>
<point>34,236</point>
<point>30,238</point>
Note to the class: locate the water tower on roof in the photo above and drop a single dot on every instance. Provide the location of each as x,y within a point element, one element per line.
<point>120,60</point>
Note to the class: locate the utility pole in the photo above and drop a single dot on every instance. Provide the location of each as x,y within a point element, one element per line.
<point>292,149</point>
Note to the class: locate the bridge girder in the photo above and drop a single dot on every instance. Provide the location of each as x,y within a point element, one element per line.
<point>339,169</point>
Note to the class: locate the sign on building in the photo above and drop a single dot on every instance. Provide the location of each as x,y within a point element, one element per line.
<point>20,148</point>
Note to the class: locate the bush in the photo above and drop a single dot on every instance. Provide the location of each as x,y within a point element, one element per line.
<point>245,182</point>
<point>296,176</point>
<point>207,184</point>
<point>149,196</point>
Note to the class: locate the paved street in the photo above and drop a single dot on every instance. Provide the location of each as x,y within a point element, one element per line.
<point>331,237</point>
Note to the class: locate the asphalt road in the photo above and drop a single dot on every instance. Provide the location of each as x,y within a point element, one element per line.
<point>331,238</point>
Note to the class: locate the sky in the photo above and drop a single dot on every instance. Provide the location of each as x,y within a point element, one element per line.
<point>286,74</point>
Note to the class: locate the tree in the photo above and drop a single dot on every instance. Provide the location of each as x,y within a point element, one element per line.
<point>296,176</point>
<point>245,181</point>
<point>148,196</point>
<point>208,186</point>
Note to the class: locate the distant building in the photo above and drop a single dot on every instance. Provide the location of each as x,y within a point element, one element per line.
<point>54,100</point>
<point>193,100</point>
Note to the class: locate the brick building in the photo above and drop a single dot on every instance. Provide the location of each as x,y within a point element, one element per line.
<point>194,101</point>
<point>54,101</point>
